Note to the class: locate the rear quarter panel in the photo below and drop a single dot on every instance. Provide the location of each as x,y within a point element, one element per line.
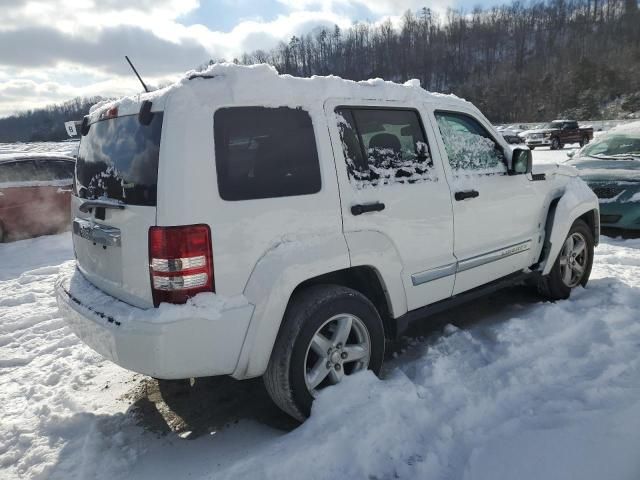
<point>243,231</point>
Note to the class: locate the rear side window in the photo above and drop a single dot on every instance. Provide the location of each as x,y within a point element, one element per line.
<point>265,152</point>
<point>118,159</point>
<point>470,148</point>
<point>384,146</point>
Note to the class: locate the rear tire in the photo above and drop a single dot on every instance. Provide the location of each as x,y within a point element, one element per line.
<point>573,265</point>
<point>324,336</point>
<point>584,141</point>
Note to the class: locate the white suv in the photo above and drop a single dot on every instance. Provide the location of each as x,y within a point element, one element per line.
<point>245,223</point>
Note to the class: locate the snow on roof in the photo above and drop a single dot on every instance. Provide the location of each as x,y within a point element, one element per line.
<point>228,83</point>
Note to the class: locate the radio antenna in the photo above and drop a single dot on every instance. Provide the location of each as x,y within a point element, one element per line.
<point>136,72</point>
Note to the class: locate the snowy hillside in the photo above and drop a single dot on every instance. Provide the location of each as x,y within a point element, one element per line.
<point>519,389</point>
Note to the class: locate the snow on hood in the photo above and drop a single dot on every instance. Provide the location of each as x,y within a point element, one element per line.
<point>604,169</point>
<point>555,169</point>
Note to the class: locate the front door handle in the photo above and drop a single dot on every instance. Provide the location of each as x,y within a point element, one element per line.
<point>466,194</point>
<point>368,207</point>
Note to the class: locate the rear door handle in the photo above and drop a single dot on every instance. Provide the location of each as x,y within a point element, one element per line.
<point>368,207</point>
<point>466,194</point>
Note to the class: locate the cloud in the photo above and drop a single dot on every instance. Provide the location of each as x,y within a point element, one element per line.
<point>53,50</point>
<point>47,47</point>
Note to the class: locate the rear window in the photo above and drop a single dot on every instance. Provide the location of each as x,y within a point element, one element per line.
<point>265,152</point>
<point>118,159</point>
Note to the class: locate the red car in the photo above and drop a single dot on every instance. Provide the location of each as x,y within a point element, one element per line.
<point>34,195</point>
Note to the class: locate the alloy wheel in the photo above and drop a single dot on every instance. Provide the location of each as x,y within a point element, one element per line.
<point>573,260</point>
<point>341,346</point>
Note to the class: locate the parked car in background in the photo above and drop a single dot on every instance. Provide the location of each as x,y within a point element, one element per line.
<point>34,195</point>
<point>511,134</point>
<point>557,134</point>
<point>611,167</point>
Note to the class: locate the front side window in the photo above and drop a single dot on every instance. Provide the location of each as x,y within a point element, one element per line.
<point>384,146</point>
<point>265,152</point>
<point>469,147</point>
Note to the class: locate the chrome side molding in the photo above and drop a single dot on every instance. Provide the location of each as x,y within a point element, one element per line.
<point>478,260</point>
<point>433,274</point>
<point>469,263</point>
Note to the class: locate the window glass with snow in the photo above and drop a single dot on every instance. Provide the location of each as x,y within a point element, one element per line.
<point>265,152</point>
<point>384,146</point>
<point>469,147</point>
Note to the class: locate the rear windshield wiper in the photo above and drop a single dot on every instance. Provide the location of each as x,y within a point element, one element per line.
<point>103,202</point>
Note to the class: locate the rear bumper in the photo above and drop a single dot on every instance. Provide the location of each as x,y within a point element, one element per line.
<point>202,342</point>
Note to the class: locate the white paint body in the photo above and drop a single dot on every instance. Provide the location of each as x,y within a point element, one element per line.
<point>263,249</point>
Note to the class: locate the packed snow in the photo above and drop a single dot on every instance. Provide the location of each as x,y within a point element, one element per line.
<point>519,388</point>
<point>204,305</point>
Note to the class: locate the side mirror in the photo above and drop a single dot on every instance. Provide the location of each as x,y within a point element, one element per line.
<point>521,161</point>
<point>571,153</point>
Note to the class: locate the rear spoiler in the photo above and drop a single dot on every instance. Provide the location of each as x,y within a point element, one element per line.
<point>72,127</point>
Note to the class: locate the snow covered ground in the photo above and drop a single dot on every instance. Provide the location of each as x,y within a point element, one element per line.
<point>519,388</point>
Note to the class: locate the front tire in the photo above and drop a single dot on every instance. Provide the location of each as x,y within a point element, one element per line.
<point>328,332</point>
<point>555,144</point>
<point>573,265</point>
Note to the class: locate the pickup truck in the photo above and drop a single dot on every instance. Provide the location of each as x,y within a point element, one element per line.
<point>557,134</point>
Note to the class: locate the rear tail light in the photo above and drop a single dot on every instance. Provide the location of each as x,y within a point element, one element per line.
<point>180,262</point>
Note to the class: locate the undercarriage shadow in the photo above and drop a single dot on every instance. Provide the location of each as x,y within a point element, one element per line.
<point>205,405</point>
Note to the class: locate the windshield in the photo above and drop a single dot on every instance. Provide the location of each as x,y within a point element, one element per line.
<point>614,146</point>
<point>118,159</point>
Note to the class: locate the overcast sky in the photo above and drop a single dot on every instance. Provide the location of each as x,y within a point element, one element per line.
<point>54,50</point>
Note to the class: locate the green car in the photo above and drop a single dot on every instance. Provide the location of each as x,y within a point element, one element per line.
<point>611,166</point>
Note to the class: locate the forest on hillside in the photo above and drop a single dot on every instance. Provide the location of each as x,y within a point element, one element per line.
<point>520,62</point>
<point>44,124</point>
